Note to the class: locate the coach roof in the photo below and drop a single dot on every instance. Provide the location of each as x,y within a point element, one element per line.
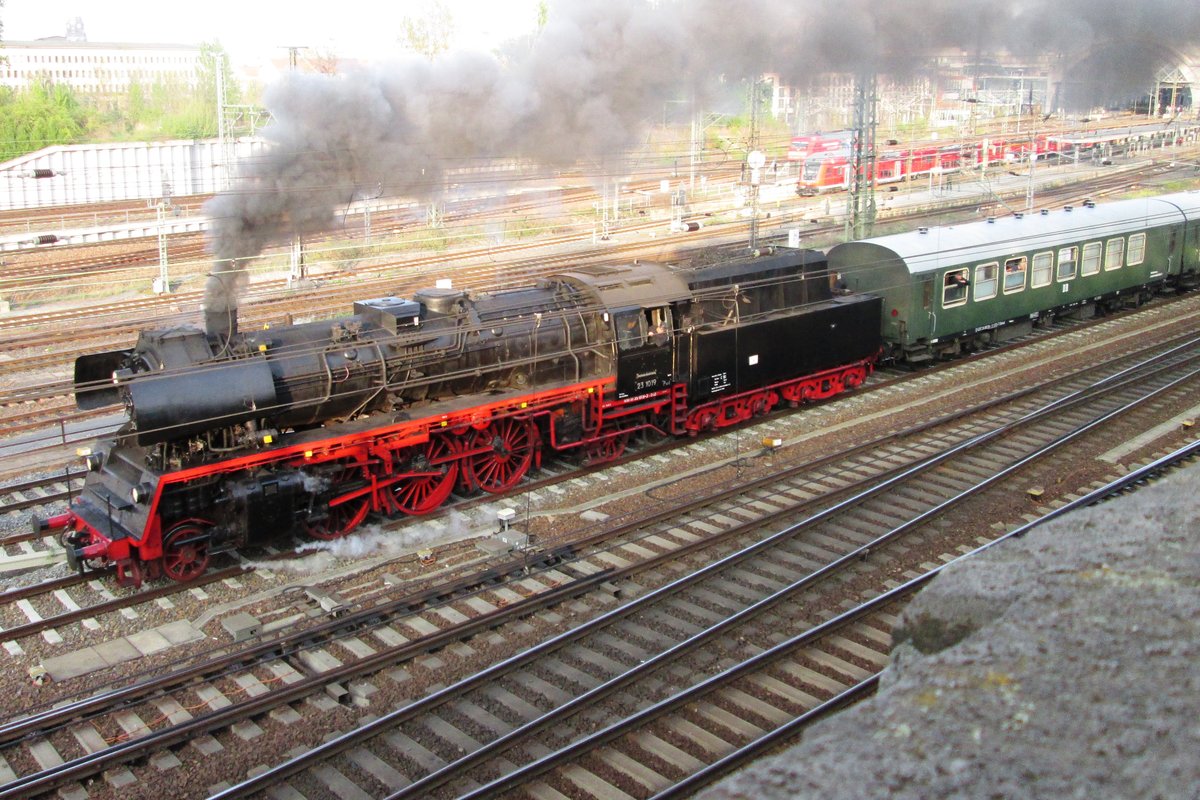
<point>932,249</point>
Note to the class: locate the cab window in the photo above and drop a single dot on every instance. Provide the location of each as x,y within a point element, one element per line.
<point>658,325</point>
<point>954,288</point>
<point>1043,263</point>
<point>985,280</point>
<point>1137,249</point>
<point>1090,264</point>
<point>1068,257</point>
<point>1114,254</point>
<point>1014,274</point>
<point>630,330</point>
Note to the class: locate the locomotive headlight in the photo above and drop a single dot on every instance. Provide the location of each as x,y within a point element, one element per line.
<point>141,493</point>
<point>93,461</point>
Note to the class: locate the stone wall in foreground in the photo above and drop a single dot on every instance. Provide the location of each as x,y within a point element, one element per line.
<point>1065,664</point>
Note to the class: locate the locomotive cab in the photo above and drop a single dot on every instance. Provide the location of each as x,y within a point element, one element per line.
<point>640,298</point>
<point>644,350</point>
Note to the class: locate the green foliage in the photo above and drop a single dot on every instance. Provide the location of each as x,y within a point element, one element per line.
<point>43,115</point>
<point>428,31</point>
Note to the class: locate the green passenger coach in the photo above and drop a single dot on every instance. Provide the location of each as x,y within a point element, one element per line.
<point>959,287</point>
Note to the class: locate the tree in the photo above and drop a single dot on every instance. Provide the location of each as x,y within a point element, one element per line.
<point>322,61</point>
<point>428,31</point>
<point>212,58</point>
<point>44,115</point>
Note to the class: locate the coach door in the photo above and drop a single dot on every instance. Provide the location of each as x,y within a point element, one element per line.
<point>1172,252</point>
<point>643,350</point>
<point>927,307</point>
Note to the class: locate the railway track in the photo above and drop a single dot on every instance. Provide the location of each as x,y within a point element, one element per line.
<point>757,566</point>
<point>724,613</point>
<point>20,552</point>
<point>671,772</point>
<point>37,622</point>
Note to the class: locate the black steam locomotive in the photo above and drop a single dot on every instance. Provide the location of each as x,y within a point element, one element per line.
<point>234,437</point>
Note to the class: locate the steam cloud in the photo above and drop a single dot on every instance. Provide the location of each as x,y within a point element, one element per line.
<point>372,541</point>
<point>599,73</point>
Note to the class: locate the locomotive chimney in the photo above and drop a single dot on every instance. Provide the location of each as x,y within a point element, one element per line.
<point>221,323</point>
<point>221,302</point>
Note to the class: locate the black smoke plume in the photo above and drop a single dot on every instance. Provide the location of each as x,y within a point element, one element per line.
<point>598,74</point>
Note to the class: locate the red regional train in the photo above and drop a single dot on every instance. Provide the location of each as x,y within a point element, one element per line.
<point>802,147</point>
<point>825,158</point>
<point>829,170</point>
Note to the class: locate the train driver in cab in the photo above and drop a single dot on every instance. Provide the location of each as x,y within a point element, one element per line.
<point>659,334</point>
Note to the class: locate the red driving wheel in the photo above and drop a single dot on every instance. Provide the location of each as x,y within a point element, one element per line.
<point>336,519</point>
<point>432,471</point>
<point>501,454</point>
<point>185,552</point>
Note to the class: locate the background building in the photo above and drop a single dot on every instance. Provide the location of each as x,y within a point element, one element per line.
<point>96,68</point>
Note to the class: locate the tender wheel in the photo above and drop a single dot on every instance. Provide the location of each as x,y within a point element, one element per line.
<point>607,449</point>
<point>185,552</point>
<point>501,455</point>
<point>435,469</point>
<point>661,430</point>
<point>331,519</point>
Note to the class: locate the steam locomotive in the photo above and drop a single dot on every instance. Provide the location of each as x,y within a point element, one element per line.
<point>236,437</point>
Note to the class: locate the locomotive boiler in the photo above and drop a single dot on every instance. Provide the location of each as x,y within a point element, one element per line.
<point>237,437</point>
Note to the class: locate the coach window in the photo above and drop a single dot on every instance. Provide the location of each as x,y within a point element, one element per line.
<point>1114,254</point>
<point>1043,264</point>
<point>1090,264</point>
<point>1137,249</point>
<point>1068,257</point>
<point>954,288</point>
<point>1014,275</point>
<point>985,281</point>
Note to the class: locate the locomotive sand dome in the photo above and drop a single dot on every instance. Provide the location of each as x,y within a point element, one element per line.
<point>236,436</point>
